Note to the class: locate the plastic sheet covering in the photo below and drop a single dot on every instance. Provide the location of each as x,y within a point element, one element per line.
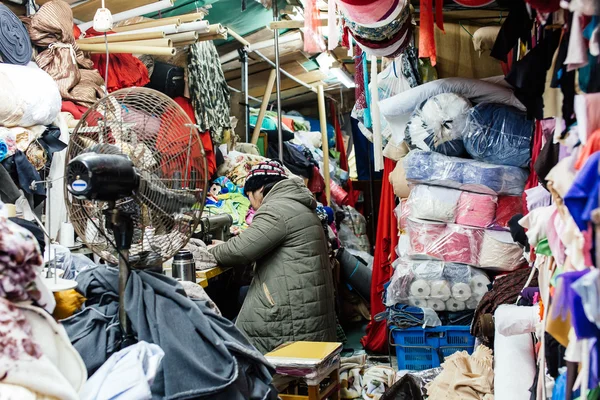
<point>441,204</point>
<point>437,169</point>
<point>29,96</point>
<point>516,320</point>
<point>438,124</point>
<point>484,248</point>
<point>353,230</point>
<point>514,364</point>
<point>499,134</point>
<point>441,286</point>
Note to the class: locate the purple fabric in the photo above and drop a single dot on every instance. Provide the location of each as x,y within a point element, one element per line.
<point>529,293</point>
<point>584,329</point>
<point>582,198</point>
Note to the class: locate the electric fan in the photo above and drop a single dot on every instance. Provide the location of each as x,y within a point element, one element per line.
<point>135,179</point>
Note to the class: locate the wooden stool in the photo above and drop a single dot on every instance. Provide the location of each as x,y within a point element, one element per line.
<point>312,363</point>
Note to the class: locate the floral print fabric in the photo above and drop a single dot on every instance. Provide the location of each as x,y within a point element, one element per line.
<point>19,260</point>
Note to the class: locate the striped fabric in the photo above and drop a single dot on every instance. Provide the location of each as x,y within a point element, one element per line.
<point>51,29</point>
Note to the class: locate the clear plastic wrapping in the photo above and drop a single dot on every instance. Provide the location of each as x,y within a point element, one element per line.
<point>478,210</point>
<point>436,285</point>
<point>483,248</point>
<point>353,230</point>
<point>437,169</point>
<point>499,134</point>
<point>438,124</point>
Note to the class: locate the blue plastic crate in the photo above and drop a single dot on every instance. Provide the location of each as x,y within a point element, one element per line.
<point>418,349</point>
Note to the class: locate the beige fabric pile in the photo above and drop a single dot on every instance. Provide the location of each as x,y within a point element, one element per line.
<point>465,377</point>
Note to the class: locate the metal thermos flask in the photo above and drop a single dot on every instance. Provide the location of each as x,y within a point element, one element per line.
<point>184,266</point>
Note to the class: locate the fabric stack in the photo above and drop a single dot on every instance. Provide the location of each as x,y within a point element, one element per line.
<point>382,28</point>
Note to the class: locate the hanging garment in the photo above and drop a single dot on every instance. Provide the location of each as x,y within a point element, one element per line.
<point>51,28</point>
<point>387,239</point>
<point>205,136</point>
<point>383,32</point>
<point>516,26</point>
<point>592,146</point>
<point>208,90</point>
<point>190,335</point>
<point>528,75</point>
<point>582,198</point>
<point>127,374</point>
<point>371,13</point>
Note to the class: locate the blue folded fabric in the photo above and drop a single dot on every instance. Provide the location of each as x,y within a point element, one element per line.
<point>499,134</point>
<point>437,169</point>
<point>3,149</point>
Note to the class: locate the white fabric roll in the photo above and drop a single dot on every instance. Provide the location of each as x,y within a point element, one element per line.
<point>479,284</point>
<point>461,291</point>
<point>511,320</point>
<point>472,303</point>
<point>433,203</point>
<point>455,305</point>
<point>440,290</point>
<point>436,305</point>
<point>67,235</point>
<point>514,363</point>
<point>420,289</point>
<point>421,303</point>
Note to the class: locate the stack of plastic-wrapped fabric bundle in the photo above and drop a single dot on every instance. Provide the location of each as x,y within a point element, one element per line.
<point>470,149</point>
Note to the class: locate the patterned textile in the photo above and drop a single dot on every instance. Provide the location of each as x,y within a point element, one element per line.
<point>51,29</point>
<point>381,33</point>
<point>208,90</point>
<point>410,67</point>
<point>19,259</point>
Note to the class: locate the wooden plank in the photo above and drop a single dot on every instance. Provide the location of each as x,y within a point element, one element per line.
<point>234,71</point>
<point>308,78</point>
<point>289,24</point>
<point>86,11</point>
<point>211,273</point>
<point>263,107</point>
<point>203,282</point>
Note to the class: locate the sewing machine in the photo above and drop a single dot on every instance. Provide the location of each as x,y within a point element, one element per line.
<point>215,227</point>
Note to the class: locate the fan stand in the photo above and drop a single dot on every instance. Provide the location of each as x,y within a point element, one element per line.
<point>121,224</point>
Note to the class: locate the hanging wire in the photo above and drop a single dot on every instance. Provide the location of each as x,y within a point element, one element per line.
<point>465,29</point>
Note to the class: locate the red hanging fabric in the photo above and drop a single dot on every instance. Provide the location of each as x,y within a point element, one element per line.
<point>385,253</point>
<point>207,143</point>
<point>313,41</point>
<point>339,146</point>
<point>124,70</point>
<point>439,14</point>
<point>426,33</point>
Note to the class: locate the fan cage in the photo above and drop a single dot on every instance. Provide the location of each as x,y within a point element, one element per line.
<point>166,151</point>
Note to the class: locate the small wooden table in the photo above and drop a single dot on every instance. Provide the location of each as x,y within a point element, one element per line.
<point>203,277</point>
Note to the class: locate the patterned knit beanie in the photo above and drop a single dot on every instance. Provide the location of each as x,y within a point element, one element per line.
<point>264,173</point>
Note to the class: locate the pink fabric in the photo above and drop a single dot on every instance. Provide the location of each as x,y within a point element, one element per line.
<point>460,244</point>
<point>422,235</point>
<point>366,11</point>
<point>552,232</point>
<point>577,55</point>
<point>476,209</point>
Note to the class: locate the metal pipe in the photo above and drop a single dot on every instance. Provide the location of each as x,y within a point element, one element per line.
<point>278,80</point>
<point>244,60</point>
<point>249,97</point>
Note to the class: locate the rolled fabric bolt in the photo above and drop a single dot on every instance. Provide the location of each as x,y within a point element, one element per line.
<point>421,303</point>
<point>440,290</point>
<point>67,235</point>
<point>455,305</point>
<point>479,284</point>
<point>461,291</point>
<point>436,305</point>
<point>472,303</point>
<point>420,289</point>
